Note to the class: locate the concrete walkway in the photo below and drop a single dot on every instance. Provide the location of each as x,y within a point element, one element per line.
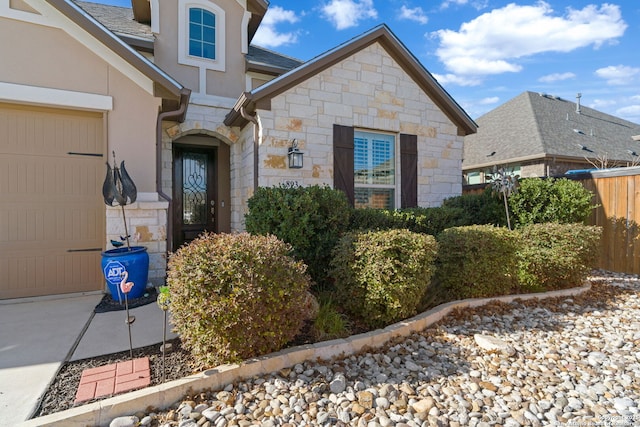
<point>38,335</point>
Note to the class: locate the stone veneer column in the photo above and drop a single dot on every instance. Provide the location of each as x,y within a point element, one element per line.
<point>147,225</point>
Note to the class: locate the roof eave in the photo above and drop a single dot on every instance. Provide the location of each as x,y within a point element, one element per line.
<point>235,117</point>
<point>265,69</point>
<point>257,8</point>
<point>529,158</point>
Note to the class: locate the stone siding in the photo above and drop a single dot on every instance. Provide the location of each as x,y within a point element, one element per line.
<point>368,91</point>
<point>147,226</point>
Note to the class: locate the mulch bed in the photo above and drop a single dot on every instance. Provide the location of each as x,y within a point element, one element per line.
<point>109,304</point>
<point>61,393</point>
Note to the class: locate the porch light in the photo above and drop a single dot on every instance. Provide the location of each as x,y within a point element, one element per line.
<point>295,156</point>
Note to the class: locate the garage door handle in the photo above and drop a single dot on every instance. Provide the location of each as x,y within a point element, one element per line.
<point>73,153</point>
<point>85,250</point>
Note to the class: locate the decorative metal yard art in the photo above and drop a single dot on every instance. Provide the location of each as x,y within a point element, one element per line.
<point>163,303</point>
<point>118,187</point>
<point>507,184</point>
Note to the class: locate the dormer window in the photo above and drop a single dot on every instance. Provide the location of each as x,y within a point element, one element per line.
<point>201,35</point>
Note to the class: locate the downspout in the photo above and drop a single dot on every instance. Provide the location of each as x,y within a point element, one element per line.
<point>179,116</point>
<point>257,139</point>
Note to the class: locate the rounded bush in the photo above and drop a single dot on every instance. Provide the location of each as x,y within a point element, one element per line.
<point>311,219</point>
<point>381,276</point>
<point>235,296</point>
<point>556,256</point>
<point>550,200</point>
<point>477,261</point>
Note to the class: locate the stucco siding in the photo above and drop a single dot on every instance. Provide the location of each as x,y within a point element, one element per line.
<point>128,124</point>
<point>229,83</point>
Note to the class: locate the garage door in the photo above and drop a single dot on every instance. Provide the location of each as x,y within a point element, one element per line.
<point>51,209</point>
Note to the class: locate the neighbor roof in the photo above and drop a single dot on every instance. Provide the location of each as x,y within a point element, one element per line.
<point>261,96</point>
<point>536,126</point>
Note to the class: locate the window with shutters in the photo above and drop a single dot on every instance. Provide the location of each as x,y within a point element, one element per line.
<point>374,170</point>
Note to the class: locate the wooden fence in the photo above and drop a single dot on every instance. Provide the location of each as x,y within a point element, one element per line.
<point>617,194</point>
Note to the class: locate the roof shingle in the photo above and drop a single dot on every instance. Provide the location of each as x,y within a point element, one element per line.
<point>534,125</point>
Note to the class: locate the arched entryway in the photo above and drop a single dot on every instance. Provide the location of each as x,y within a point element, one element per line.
<point>201,187</point>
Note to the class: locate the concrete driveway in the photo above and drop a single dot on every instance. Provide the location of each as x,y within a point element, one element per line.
<point>36,337</point>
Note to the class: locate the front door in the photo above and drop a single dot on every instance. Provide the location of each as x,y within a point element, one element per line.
<point>194,192</point>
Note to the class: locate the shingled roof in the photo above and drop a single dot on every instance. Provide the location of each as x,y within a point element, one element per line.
<point>265,60</point>
<point>118,20</point>
<point>534,125</point>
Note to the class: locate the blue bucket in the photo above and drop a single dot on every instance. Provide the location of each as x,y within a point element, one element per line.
<point>135,261</point>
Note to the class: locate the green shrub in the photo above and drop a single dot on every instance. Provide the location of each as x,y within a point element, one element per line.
<point>484,208</point>
<point>477,261</point>
<point>556,256</point>
<point>419,220</point>
<point>381,276</point>
<point>550,200</point>
<point>235,296</point>
<point>311,219</point>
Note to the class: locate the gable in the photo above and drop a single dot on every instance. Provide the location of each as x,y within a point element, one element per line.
<point>94,39</point>
<point>382,36</point>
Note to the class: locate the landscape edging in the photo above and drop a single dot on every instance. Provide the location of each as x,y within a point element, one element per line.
<point>162,396</point>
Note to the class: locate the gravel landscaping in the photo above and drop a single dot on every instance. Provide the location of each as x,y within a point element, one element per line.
<point>561,361</point>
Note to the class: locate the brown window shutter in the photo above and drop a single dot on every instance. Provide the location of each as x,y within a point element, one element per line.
<point>343,160</point>
<point>408,171</point>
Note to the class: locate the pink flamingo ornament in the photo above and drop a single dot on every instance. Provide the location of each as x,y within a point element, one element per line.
<point>126,287</point>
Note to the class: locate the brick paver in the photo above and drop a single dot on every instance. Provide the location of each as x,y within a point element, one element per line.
<point>113,379</point>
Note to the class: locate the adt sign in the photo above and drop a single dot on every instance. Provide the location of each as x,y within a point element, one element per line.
<point>113,272</point>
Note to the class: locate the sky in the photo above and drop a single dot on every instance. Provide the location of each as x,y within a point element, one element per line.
<point>484,52</point>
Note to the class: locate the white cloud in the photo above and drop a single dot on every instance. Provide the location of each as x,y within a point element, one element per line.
<point>618,74</point>
<point>267,34</point>
<point>489,100</point>
<point>348,13</point>
<point>631,113</point>
<point>415,14</point>
<point>477,4</point>
<point>602,104</point>
<point>492,42</point>
<point>443,79</point>
<point>556,77</point>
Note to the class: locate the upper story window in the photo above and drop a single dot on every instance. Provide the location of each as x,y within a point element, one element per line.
<point>202,33</point>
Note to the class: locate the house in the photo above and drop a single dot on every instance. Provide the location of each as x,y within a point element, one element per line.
<point>202,118</point>
<point>536,134</point>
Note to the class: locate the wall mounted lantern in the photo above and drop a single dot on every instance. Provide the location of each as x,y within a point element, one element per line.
<point>295,156</point>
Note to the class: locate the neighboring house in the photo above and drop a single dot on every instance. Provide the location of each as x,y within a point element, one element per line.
<point>536,134</point>
<point>202,118</point>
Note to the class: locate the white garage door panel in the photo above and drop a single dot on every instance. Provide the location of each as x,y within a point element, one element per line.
<point>51,209</point>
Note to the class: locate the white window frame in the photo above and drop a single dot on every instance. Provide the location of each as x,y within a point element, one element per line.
<point>396,173</point>
<point>184,58</point>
